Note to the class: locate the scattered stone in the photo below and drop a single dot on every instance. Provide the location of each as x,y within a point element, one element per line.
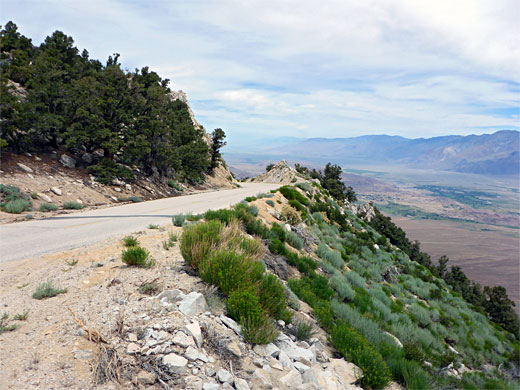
<point>99,153</point>
<point>183,340</point>
<point>348,373</point>
<point>241,384</point>
<point>131,337</point>
<point>46,198</point>
<point>301,367</point>
<point>37,158</point>
<point>281,323</point>
<point>261,379</point>
<point>224,376</point>
<point>292,380</point>
<point>193,329</point>
<point>230,323</point>
<point>56,190</point>
<point>176,364</point>
<point>284,359</point>
<point>117,189</point>
<point>170,295</point>
<point>193,303</point>
<point>234,348</point>
<point>86,157</point>
<point>67,161</point>
<point>210,371</point>
<point>193,355</point>
<point>145,377</point>
<point>226,386</point>
<point>83,354</point>
<point>133,348</point>
<point>25,168</point>
<point>118,182</point>
<point>272,350</point>
<point>128,187</point>
<point>300,354</point>
<point>210,386</point>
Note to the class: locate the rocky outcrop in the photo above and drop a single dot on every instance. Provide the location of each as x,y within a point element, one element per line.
<point>280,173</point>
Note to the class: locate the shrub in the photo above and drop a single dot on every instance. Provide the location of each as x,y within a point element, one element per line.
<point>134,199</point>
<point>278,247</point>
<point>174,185</point>
<point>290,215</point>
<point>222,215</point>
<point>150,288</point>
<point>357,349</point>
<point>342,287</point>
<point>153,226</point>
<point>34,195</point>
<point>130,241</point>
<point>250,199</point>
<point>257,228</point>
<point>302,330</point>
<point>291,193</point>
<point>408,373</point>
<point>270,202</point>
<point>72,205</point>
<point>48,207</point>
<point>47,290</point>
<point>272,298</point>
<point>253,209</point>
<point>304,264</point>
<point>18,206</point>
<point>258,332</point>
<point>172,239</point>
<point>4,324</point>
<point>198,240</point>
<point>107,170</point>
<point>137,256</point>
<point>278,232</point>
<point>294,240</point>
<point>179,220</point>
<point>231,271</point>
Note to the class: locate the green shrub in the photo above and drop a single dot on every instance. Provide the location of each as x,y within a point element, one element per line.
<point>222,215</point>
<point>47,290</point>
<point>354,347</point>
<point>302,330</point>
<point>134,199</point>
<point>174,185</point>
<point>250,199</point>
<point>278,247</point>
<point>294,240</point>
<point>4,324</point>
<point>271,293</point>
<point>179,220</point>
<point>253,209</point>
<point>304,264</point>
<point>408,373</point>
<point>298,206</point>
<point>72,205</point>
<point>130,241</point>
<point>107,170</point>
<point>291,193</point>
<point>258,332</point>
<point>270,202</point>
<point>278,232</point>
<point>137,256</point>
<point>172,239</point>
<point>230,271</point>
<point>153,226</point>
<point>290,215</point>
<point>34,195</point>
<point>198,240</point>
<point>48,207</point>
<point>257,228</point>
<point>18,206</point>
<point>342,287</point>
<point>10,192</point>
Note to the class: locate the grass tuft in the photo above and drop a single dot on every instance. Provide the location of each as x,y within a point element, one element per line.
<point>137,256</point>
<point>47,290</point>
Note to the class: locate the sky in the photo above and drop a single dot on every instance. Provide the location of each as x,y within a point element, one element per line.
<point>302,68</point>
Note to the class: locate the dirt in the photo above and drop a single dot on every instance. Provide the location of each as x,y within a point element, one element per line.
<point>77,185</point>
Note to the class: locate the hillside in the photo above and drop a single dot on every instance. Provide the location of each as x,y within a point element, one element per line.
<point>495,153</point>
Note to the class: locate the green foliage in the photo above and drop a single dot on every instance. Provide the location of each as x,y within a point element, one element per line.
<point>298,206</point>
<point>134,199</point>
<point>278,247</point>
<point>179,220</point>
<point>4,324</point>
<point>271,293</point>
<point>290,193</point>
<point>130,241</point>
<point>198,240</point>
<point>18,206</point>
<point>153,226</point>
<point>217,142</point>
<point>47,290</point>
<point>294,240</point>
<point>302,330</point>
<point>278,232</point>
<point>48,207</point>
<point>108,170</point>
<point>173,184</point>
<point>253,210</point>
<point>231,271</point>
<point>408,373</point>
<point>250,198</point>
<point>172,239</point>
<point>269,202</point>
<point>137,256</point>
<point>72,205</point>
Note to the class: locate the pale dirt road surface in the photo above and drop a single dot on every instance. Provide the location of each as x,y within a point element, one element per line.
<point>34,238</point>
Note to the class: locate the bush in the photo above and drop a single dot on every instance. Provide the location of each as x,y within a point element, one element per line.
<point>72,205</point>
<point>302,330</point>
<point>48,207</point>
<point>137,256</point>
<point>153,226</point>
<point>18,206</point>
<point>222,215</point>
<point>298,206</point>
<point>179,220</point>
<point>342,287</point>
<point>47,290</point>
<point>271,293</point>
<point>290,215</point>
<point>107,170</point>
<point>291,193</point>
<point>294,240</point>
<point>253,209</point>
<point>259,332</point>
<point>408,373</point>
<point>270,202</point>
<point>277,247</point>
<point>134,199</point>
<point>304,264</point>
<point>172,239</point>
<point>231,271</point>
<point>278,232</point>
<point>198,240</point>
<point>257,228</point>
<point>174,185</point>
<point>130,241</point>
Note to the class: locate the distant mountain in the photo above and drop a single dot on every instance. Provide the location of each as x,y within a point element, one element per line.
<point>496,153</point>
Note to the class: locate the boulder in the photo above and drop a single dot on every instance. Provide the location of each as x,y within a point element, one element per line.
<point>193,303</point>
<point>67,161</point>
<point>194,331</point>
<point>234,348</point>
<point>261,379</point>
<point>145,377</point>
<point>224,376</point>
<point>346,372</point>
<point>87,158</point>
<point>25,168</point>
<point>172,296</point>
<point>210,386</point>
<point>194,354</point>
<point>241,384</point>
<point>292,380</point>
<point>46,198</point>
<point>230,323</point>
<point>183,340</point>
<point>175,363</point>
<point>133,348</point>
<point>56,190</point>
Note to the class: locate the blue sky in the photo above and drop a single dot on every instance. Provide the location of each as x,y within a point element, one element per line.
<point>310,68</point>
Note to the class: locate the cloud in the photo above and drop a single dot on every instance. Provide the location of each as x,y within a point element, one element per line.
<point>340,68</point>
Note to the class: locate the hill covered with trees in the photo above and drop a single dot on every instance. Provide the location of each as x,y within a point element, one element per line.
<point>114,122</point>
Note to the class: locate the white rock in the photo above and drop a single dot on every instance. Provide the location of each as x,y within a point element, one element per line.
<point>281,323</point>
<point>177,364</point>
<point>396,340</point>
<point>234,348</point>
<point>25,168</point>
<point>210,386</point>
<point>348,373</point>
<point>128,187</point>
<point>118,182</point>
<point>183,340</point>
<point>193,355</point>
<point>45,197</point>
<point>193,329</point>
<point>284,359</point>
<point>133,348</point>
<point>117,189</point>
<point>230,323</point>
<point>173,296</point>
<point>67,161</point>
<point>292,379</point>
<point>300,354</point>
<point>241,384</point>
<point>226,386</point>
<point>272,350</point>
<point>224,376</point>
<point>301,367</point>
<point>193,303</point>
<point>261,379</point>
<point>56,190</point>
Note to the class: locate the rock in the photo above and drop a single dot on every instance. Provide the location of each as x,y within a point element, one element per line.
<point>175,363</point>
<point>210,386</point>
<point>45,197</point>
<point>193,303</point>
<point>284,359</point>
<point>224,376</point>
<point>272,350</point>
<point>226,386</point>
<point>273,363</point>
<point>133,348</point>
<point>261,379</point>
<point>396,340</point>
<point>453,350</point>
<point>230,323</point>
<point>299,354</point>
<point>170,295</point>
<point>25,168</point>
<point>117,189</point>
<point>241,384</point>
<point>210,371</point>
<point>99,153</point>
<point>131,337</point>
<point>67,161</point>
<point>193,329</point>
<point>86,157</point>
<point>292,379</point>
<point>56,190</point>
<point>281,323</point>
<point>118,182</point>
<point>234,348</point>
<point>183,340</point>
<point>128,187</point>
<point>348,373</point>
<point>193,355</point>
<point>145,377</point>
<point>300,367</point>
